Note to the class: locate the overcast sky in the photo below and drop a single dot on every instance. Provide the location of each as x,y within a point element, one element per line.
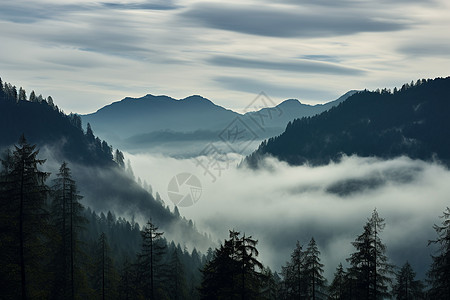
<point>87,54</point>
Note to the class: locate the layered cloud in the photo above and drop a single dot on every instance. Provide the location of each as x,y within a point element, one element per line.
<point>281,204</point>
<point>87,54</point>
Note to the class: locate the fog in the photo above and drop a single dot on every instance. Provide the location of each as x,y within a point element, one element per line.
<point>281,204</point>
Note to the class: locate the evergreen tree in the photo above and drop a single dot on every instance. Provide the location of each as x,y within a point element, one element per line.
<point>68,221</point>
<point>24,221</point>
<point>438,275</point>
<point>22,95</point>
<point>314,271</point>
<point>153,248</point>
<point>234,271</point>
<point>406,287</point>
<point>337,286</point>
<point>177,280</point>
<point>119,158</point>
<point>369,263</point>
<point>294,279</point>
<point>105,277</point>
<point>32,97</point>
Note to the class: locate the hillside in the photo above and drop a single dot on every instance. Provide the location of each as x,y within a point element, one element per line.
<point>412,121</point>
<point>102,181</point>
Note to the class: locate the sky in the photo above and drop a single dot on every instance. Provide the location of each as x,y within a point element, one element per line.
<point>87,54</point>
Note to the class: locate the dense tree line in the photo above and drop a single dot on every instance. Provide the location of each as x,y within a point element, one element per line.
<point>408,121</point>
<point>46,117</point>
<point>54,248</point>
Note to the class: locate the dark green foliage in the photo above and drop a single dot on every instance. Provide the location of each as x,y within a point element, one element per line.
<point>313,272</point>
<point>68,219</point>
<point>302,275</point>
<point>234,271</point>
<point>294,280</point>
<point>410,122</point>
<point>369,272</point>
<point>24,222</point>
<point>105,277</point>
<point>337,287</point>
<point>438,275</point>
<point>149,260</point>
<point>406,287</point>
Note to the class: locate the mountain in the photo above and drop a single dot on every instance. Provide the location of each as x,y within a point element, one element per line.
<point>104,183</point>
<point>132,117</point>
<point>412,121</point>
<point>156,121</point>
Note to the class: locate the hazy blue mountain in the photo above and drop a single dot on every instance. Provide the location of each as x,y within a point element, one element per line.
<point>412,121</point>
<point>104,184</point>
<point>161,121</point>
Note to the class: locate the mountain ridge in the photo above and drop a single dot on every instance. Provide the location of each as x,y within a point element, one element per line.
<point>411,121</point>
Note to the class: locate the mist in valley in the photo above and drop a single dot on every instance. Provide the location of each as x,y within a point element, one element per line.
<point>281,204</point>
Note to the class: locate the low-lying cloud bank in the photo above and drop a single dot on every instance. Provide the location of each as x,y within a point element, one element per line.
<point>282,204</point>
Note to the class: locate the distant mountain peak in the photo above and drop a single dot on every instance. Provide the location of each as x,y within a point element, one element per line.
<point>289,102</point>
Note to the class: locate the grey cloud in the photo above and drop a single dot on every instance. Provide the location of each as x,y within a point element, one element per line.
<point>255,86</point>
<point>299,66</point>
<point>266,21</point>
<point>31,12</point>
<point>426,49</point>
<point>147,5</point>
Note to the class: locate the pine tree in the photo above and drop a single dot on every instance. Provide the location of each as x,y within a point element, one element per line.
<point>148,260</point>
<point>234,271</point>
<point>294,280</point>
<point>369,263</point>
<point>177,279</point>
<point>25,227</point>
<point>119,158</point>
<point>68,221</point>
<point>32,97</point>
<point>406,287</point>
<point>105,277</point>
<point>438,275</point>
<point>337,286</point>
<point>314,270</point>
<point>22,95</point>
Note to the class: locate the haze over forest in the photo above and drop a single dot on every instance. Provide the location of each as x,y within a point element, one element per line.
<point>244,150</point>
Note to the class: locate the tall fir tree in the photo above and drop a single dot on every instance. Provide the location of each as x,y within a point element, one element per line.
<point>24,221</point>
<point>337,287</point>
<point>153,248</point>
<point>406,286</point>
<point>314,271</point>
<point>68,220</point>
<point>369,264</point>
<point>438,275</point>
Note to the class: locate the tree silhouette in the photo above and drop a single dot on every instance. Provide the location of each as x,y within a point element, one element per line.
<point>438,275</point>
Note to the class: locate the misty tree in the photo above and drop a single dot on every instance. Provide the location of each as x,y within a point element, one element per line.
<point>22,95</point>
<point>313,271</point>
<point>234,270</point>
<point>369,264</point>
<point>105,277</point>
<point>32,97</point>
<point>294,280</point>
<point>119,158</point>
<point>406,287</point>
<point>68,219</point>
<point>24,223</point>
<point>176,282</point>
<point>337,287</point>
<point>438,275</point>
<point>153,248</point>
<point>90,133</point>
